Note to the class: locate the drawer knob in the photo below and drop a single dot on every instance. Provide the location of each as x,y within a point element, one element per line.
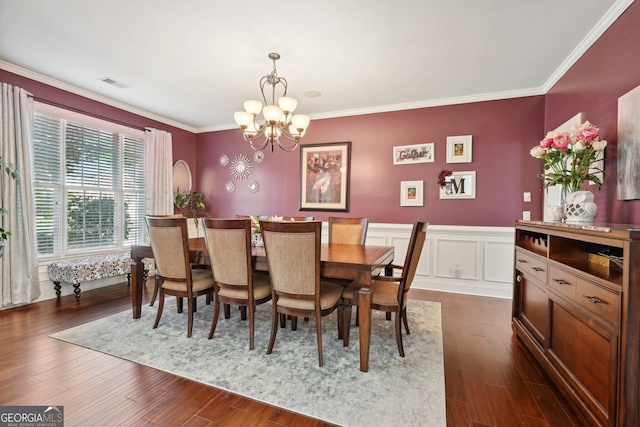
<point>524,261</point>
<point>592,300</point>
<point>561,282</point>
<point>537,269</point>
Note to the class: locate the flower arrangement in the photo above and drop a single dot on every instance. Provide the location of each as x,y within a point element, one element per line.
<point>568,156</point>
<point>442,177</point>
<point>255,224</point>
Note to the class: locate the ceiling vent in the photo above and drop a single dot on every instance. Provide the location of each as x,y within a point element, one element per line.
<point>112,82</point>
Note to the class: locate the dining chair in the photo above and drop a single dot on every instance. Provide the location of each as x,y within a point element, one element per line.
<point>389,293</point>
<point>350,231</point>
<point>156,285</point>
<point>236,283</point>
<point>293,256</point>
<point>170,245</point>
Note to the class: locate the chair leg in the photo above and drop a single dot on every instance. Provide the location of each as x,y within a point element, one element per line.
<point>283,320</point>
<point>243,312</point>
<point>160,308</point>
<point>252,309</point>
<point>340,321</point>
<point>214,322</point>
<point>294,323</point>
<point>156,286</point>
<point>388,314</point>
<point>346,322</point>
<point>404,319</point>
<point>274,327</point>
<point>399,332</point>
<point>319,335</point>
<point>191,302</point>
<point>227,311</point>
<point>180,304</point>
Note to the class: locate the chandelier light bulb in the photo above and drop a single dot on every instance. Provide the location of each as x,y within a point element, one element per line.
<point>252,106</point>
<point>243,118</point>
<point>272,113</point>
<point>287,104</point>
<point>300,121</point>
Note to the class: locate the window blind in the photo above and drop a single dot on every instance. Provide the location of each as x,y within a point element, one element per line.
<point>99,174</point>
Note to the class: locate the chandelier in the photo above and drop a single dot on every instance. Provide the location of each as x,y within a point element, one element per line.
<point>279,120</point>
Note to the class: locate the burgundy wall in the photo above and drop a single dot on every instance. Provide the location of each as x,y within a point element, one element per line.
<point>183,141</point>
<point>503,132</point>
<point>608,70</point>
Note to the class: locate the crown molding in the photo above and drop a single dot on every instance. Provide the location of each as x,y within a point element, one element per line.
<point>603,24</point>
<point>7,66</point>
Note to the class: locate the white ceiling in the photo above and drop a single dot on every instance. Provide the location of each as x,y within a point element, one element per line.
<point>191,63</point>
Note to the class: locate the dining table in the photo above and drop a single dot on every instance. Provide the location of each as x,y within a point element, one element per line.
<point>359,263</point>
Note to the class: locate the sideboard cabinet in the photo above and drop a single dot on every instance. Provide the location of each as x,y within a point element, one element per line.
<point>576,307</point>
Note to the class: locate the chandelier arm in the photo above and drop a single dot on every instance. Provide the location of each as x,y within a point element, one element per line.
<point>288,148</point>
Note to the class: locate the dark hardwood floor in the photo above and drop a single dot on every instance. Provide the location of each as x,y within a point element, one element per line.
<point>491,380</point>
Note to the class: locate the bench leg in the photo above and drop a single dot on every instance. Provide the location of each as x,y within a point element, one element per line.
<point>56,286</point>
<point>76,290</point>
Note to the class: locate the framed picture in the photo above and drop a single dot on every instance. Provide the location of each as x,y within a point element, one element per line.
<point>411,193</point>
<point>410,154</point>
<point>324,176</point>
<point>459,185</point>
<point>459,149</point>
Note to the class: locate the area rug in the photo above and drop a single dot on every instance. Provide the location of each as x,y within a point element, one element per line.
<point>396,391</point>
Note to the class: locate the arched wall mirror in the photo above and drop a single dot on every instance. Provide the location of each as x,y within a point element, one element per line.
<point>181,177</point>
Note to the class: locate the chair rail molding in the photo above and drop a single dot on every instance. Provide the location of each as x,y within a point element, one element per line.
<point>457,259</point>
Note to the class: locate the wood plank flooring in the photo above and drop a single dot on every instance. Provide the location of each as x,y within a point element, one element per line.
<point>491,380</point>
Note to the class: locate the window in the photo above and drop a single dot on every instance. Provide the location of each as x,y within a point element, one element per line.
<point>89,183</point>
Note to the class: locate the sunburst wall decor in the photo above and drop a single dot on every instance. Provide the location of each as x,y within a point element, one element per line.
<point>241,167</point>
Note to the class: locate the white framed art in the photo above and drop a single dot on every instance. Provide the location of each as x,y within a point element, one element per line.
<point>412,193</point>
<point>410,154</point>
<point>459,149</point>
<point>459,185</point>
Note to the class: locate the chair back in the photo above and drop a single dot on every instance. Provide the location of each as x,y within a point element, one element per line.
<point>416,243</point>
<point>350,231</point>
<point>293,254</point>
<point>229,247</point>
<point>169,238</point>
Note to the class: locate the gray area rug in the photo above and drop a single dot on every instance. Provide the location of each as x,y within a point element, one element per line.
<point>396,391</point>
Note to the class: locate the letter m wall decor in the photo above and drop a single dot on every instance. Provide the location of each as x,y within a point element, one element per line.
<point>410,154</point>
<point>459,185</point>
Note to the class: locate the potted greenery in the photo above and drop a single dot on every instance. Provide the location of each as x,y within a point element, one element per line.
<point>193,201</point>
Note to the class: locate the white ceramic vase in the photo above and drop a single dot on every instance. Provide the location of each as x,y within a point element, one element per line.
<point>580,208</point>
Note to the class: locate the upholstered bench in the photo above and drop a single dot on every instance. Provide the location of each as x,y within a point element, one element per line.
<point>83,270</point>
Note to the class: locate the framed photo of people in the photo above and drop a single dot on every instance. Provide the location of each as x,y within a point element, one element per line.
<point>325,170</point>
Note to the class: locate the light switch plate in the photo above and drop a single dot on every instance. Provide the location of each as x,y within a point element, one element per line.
<point>526,215</point>
<point>527,196</point>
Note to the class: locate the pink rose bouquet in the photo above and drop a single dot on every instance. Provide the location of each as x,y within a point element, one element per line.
<point>568,157</point>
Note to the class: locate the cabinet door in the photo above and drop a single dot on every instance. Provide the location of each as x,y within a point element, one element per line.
<point>585,352</point>
<point>533,307</point>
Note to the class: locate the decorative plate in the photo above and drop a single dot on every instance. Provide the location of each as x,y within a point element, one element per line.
<point>258,156</point>
<point>229,187</point>
<point>254,186</point>
<point>224,160</point>
<point>241,167</point>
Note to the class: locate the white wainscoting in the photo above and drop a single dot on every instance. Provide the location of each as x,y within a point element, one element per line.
<point>458,259</point>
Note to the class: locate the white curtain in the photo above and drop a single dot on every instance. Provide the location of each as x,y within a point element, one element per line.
<point>159,172</point>
<point>19,264</point>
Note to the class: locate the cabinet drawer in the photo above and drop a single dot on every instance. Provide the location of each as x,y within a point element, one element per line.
<point>599,301</point>
<point>562,282</point>
<point>531,266</point>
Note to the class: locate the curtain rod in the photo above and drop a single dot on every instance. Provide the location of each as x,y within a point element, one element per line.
<point>86,113</point>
